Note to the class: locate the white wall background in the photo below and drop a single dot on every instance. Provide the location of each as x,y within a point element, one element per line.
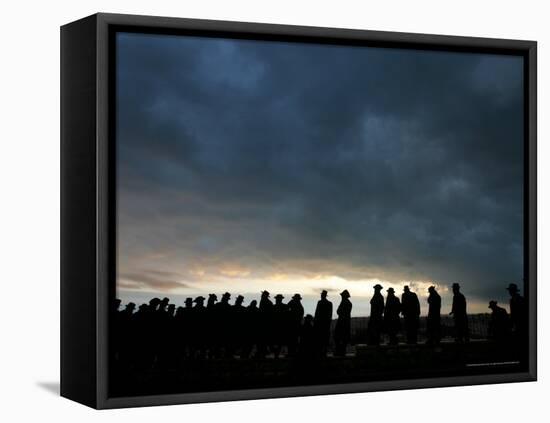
<point>29,235</point>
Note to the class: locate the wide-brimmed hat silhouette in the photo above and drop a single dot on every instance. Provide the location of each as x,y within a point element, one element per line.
<point>345,293</point>
<point>492,303</point>
<point>265,293</point>
<point>239,297</point>
<point>213,296</point>
<point>378,286</point>
<point>431,288</point>
<point>512,288</point>
<point>296,297</point>
<point>199,299</point>
<point>279,296</point>
<point>188,300</point>
<point>390,289</point>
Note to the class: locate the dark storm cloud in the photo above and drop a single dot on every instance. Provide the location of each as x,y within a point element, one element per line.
<point>408,161</point>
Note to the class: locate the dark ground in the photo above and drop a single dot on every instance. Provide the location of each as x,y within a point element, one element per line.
<point>361,364</point>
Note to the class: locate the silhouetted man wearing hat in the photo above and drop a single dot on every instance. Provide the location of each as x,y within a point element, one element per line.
<point>265,331</point>
<point>307,338</point>
<point>198,328</point>
<point>223,325</point>
<point>150,333</point>
<point>321,323</point>
<point>125,339</point>
<point>251,328</point>
<point>296,314</point>
<point>499,325</point>
<point>237,322</point>
<point>211,328</point>
<point>342,331</point>
<point>376,315</point>
<point>281,321</point>
<point>518,312</point>
<point>184,319</point>
<point>391,316</point>
<point>410,307</point>
<point>459,314</point>
<point>433,321</point>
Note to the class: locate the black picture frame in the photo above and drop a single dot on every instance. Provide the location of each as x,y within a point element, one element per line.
<point>88,200</point>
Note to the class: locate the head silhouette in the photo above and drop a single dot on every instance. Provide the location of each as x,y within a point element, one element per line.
<point>279,299</point>
<point>512,289</point>
<point>406,288</point>
<point>153,304</point>
<point>378,287</point>
<point>239,300</point>
<point>324,294</point>
<point>345,294</point>
<point>456,288</point>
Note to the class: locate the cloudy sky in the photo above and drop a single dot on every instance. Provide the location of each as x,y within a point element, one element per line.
<point>246,165</point>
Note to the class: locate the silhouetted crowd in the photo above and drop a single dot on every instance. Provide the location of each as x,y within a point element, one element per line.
<point>161,334</point>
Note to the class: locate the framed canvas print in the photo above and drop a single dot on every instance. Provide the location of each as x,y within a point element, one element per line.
<point>257,211</point>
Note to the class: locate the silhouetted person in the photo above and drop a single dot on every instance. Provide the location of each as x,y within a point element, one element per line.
<point>164,328</point>
<point>117,329</point>
<point>518,313</point>
<point>459,314</point>
<point>211,329</point>
<point>151,336</point>
<point>280,324</point>
<point>433,321</point>
<point>127,335</point>
<point>238,325</point>
<point>342,331</point>
<point>171,345</point>
<point>296,314</point>
<point>163,305</point>
<point>265,333</point>
<point>376,316</point>
<point>251,328</point>
<point>499,325</point>
<point>185,329</point>
<point>198,328</point>
<point>223,325</point>
<point>140,318</point>
<point>392,310</point>
<point>307,338</point>
<point>410,307</point>
<point>321,323</point>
